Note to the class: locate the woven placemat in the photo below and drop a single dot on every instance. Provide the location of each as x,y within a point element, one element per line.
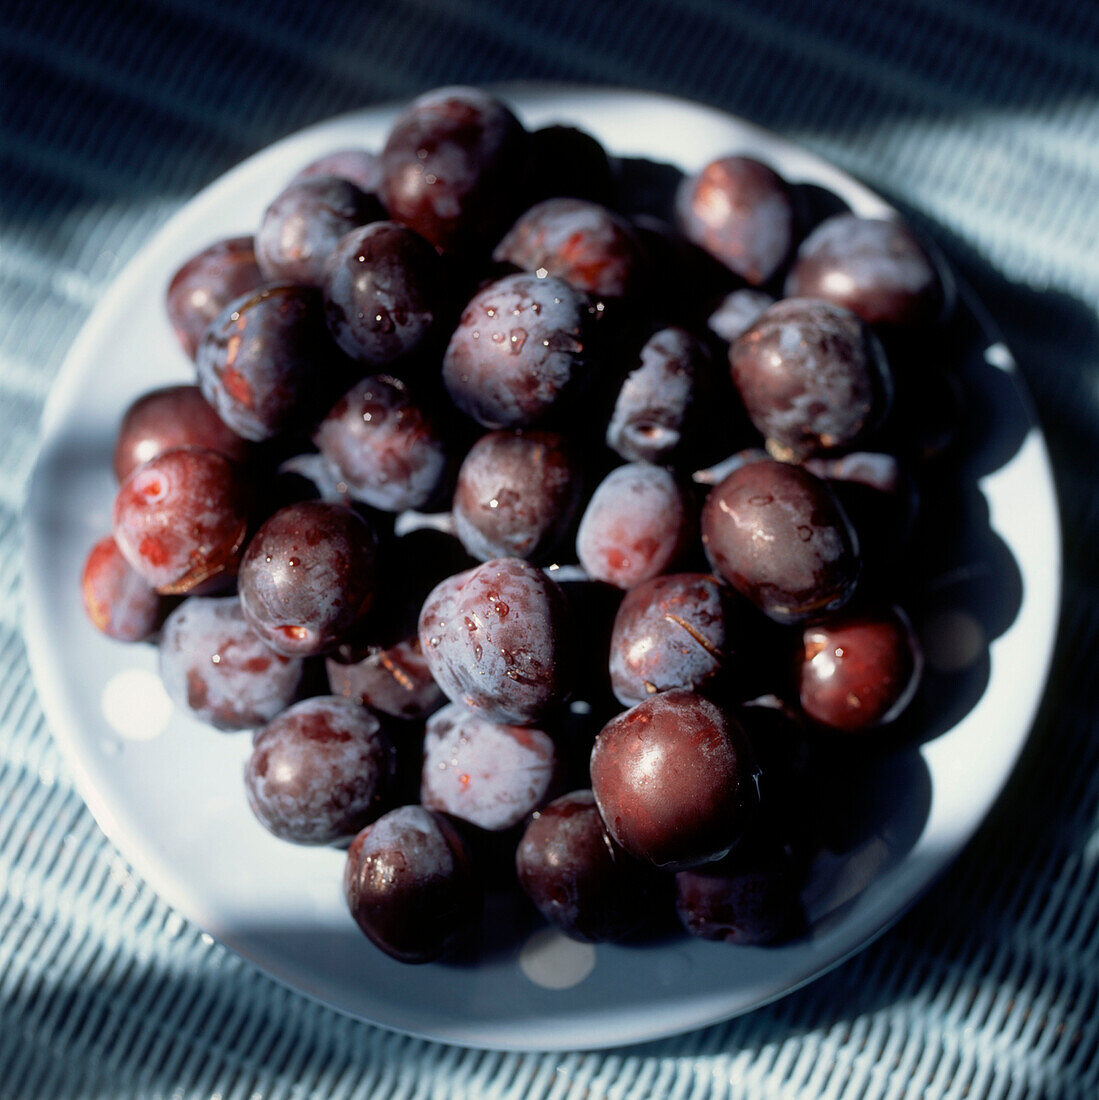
<point>982,120</point>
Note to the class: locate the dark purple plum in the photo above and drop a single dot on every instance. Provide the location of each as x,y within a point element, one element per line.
<point>859,671</point>
<point>213,664</point>
<point>118,600</point>
<point>301,228</point>
<point>671,632</point>
<point>521,345</point>
<point>575,874</point>
<point>496,640</point>
<point>659,407</point>
<point>780,537</point>
<point>587,245</point>
<point>453,167</point>
<point>385,288</point>
<point>742,213</point>
<point>409,885</point>
<point>174,416</point>
<point>360,166</point>
<point>637,525</point>
<point>674,780</point>
<point>749,898</point>
<point>812,377</point>
<point>875,267</point>
<point>491,775</point>
<point>383,446</point>
<point>206,284</point>
<point>569,162</point>
<point>320,771</point>
<point>395,680</point>
<point>737,312</point>
<point>307,578</point>
<point>267,361</point>
<point>517,494</point>
<point>181,519</point>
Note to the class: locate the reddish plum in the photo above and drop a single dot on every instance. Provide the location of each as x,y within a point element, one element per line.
<point>119,601</point>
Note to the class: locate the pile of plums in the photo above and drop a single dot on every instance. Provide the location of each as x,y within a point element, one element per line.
<point>511,522</point>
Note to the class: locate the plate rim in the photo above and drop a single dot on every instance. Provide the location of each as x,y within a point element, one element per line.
<point>871,921</point>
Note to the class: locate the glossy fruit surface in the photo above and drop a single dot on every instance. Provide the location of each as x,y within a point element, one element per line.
<point>409,885</point>
<point>521,345</point>
<point>673,779</point>
<point>516,495</point>
<point>181,518</point>
<point>590,247</point>
<point>859,671</point>
<point>876,268</point>
<point>207,283</point>
<point>320,771</point>
<point>384,290</point>
<point>636,526</point>
<point>383,446</point>
<point>496,639</point>
<point>737,312</point>
<point>266,362</point>
<point>811,375</point>
<point>213,665</point>
<point>742,212</point>
<point>486,773</point>
<point>118,600</point>
<point>779,536</point>
<point>670,632</point>
<point>308,577</point>
<point>395,680</point>
<point>170,417</point>
<point>452,168</point>
<point>301,227</point>
<point>360,166</point>
<point>575,874</point>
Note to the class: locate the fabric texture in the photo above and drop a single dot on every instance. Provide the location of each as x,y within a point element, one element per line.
<point>980,119</point>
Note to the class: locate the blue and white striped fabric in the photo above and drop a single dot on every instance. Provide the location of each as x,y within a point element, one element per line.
<point>981,118</point>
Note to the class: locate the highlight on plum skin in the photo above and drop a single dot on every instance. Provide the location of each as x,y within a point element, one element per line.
<point>385,290</point>
<point>320,771</point>
<point>214,666</point>
<point>578,878</point>
<point>590,247</point>
<point>522,345</point>
<point>517,494</point>
<point>859,671</point>
<point>383,446</point>
<point>119,602</point>
<point>875,267</point>
<point>304,223</point>
<point>453,166</point>
<point>307,578</point>
<point>780,537</point>
<point>267,360</point>
<point>206,284</point>
<point>674,779</point>
<point>672,631</point>
<point>742,212</point>
<point>170,417</point>
<point>393,680</point>
<point>812,377</point>
<point>181,519</point>
<point>638,524</point>
<point>497,639</point>
<point>410,887</point>
<point>492,775</point>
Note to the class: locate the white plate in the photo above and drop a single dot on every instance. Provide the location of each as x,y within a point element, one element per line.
<point>167,791</point>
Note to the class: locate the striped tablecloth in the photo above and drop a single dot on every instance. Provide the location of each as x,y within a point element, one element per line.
<point>981,119</point>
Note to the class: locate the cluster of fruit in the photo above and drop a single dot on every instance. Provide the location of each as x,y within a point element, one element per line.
<point>430,374</point>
